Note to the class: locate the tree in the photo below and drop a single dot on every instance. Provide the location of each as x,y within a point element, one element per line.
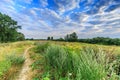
<point>20,37</point>
<point>61,39</point>
<point>51,38</point>
<point>48,38</point>
<point>71,37</point>
<point>8,28</point>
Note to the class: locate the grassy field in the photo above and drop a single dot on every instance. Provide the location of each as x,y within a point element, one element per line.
<point>75,61</point>
<point>11,58</point>
<point>61,60</point>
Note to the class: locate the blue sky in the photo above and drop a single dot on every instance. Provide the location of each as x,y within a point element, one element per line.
<point>43,18</point>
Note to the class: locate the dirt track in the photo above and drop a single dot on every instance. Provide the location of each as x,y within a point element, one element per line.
<point>26,72</point>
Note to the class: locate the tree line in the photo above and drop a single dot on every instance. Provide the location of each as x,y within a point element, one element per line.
<point>102,40</point>
<point>97,40</point>
<point>9,29</point>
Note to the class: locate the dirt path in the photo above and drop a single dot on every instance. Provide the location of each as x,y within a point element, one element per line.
<point>26,72</point>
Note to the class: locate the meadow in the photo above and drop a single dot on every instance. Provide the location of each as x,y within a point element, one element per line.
<point>11,59</point>
<point>75,61</point>
<point>54,60</point>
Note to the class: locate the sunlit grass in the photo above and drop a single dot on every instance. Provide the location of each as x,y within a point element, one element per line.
<point>13,48</point>
<point>77,61</point>
<point>11,55</point>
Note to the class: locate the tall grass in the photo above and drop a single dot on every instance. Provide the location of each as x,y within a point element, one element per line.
<point>91,65</point>
<point>75,63</point>
<point>87,64</point>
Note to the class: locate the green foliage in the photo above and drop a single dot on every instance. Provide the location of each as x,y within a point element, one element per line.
<point>8,29</point>
<point>48,38</point>
<point>36,64</point>
<point>20,37</point>
<point>51,38</point>
<point>71,37</point>
<point>102,40</point>
<point>46,76</point>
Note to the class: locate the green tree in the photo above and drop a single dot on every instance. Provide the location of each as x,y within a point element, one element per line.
<point>51,38</point>
<point>48,38</point>
<point>8,28</point>
<point>20,36</point>
<point>71,37</point>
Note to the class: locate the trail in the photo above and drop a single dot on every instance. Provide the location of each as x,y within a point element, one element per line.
<point>26,72</point>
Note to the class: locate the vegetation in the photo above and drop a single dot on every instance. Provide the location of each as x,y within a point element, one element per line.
<point>57,60</point>
<point>15,60</point>
<point>102,40</point>
<point>11,59</point>
<point>63,62</point>
<point>50,38</point>
<point>71,37</point>
<point>97,40</point>
<point>8,29</point>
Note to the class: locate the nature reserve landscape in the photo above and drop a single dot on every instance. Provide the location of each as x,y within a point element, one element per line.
<point>59,39</point>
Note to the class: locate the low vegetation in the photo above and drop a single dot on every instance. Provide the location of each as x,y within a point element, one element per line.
<point>60,62</point>
<point>11,59</point>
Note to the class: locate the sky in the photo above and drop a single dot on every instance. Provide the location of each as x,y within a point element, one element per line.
<point>42,18</point>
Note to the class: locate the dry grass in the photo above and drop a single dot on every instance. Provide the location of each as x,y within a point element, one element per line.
<point>11,73</point>
<point>13,48</point>
<point>8,49</point>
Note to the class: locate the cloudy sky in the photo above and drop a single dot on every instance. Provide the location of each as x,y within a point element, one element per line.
<point>42,18</point>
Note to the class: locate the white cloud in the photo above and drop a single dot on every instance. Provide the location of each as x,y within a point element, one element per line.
<point>43,3</point>
<point>42,22</point>
<point>66,5</point>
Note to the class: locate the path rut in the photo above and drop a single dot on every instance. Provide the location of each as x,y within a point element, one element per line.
<point>26,72</point>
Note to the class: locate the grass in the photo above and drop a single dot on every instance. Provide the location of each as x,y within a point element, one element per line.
<point>15,60</point>
<point>76,61</point>
<point>71,65</point>
<point>4,66</point>
<point>11,58</point>
<point>61,61</point>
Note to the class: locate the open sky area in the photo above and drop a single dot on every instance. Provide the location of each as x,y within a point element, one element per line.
<point>43,18</point>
